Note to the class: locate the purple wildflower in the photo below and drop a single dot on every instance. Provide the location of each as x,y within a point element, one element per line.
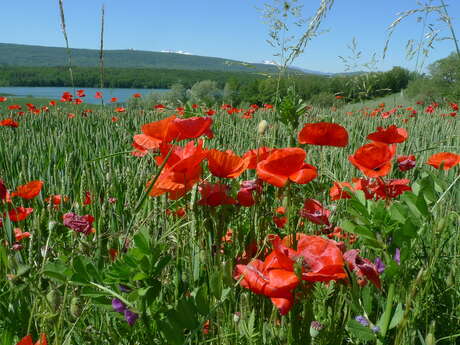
<point>130,317</point>
<point>375,329</point>
<point>118,305</point>
<point>397,256</point>
<point>379,265</point>
<point>124,288</point>
<point>362,320</point>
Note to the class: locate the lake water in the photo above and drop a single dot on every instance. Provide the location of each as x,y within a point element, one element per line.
<point>55,93</point>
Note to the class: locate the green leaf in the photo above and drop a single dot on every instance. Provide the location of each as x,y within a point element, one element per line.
<point>398,212</point>
<point>171,332</point>
<point>358,229</point>
<point>216,284</point>
<point>359,331</point>
<point>140,276</point>
<point>397,316</point>
<point>201,300</point>
<point>367,295</point>
<point>142,242</point>
<point>57,270</point>
<point>184,316</point>
<point>22,269</point>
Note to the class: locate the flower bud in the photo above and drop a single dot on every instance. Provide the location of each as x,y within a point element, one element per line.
<point>315,327</point>
<point>430,339</point>
<point>54,299</point>
<point>75,307</point>
<point>262,127</point>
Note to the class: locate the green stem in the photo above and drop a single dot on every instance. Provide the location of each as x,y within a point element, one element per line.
<point>388,310</point>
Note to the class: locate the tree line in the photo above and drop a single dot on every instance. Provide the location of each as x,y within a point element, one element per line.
<point>234,87</point>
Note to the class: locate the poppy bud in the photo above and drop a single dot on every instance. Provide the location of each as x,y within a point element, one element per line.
<point>75,307</point>
<point>262,127</point>
<point>430,339</point>
<point>450,281</point>
<point>54,299</point>
<point>51,225</point>
<point>440,225</point>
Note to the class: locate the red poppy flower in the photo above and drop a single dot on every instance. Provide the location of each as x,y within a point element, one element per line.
<point>19,213</point>
<point>193,127</point>
<point>120,110</point>
<point>70,116</point>
<point>87,200</point>
<point>181,171</point>
<point>286,164</point>
<point>78,223</point>
<point>29,190</point>
<point>321,259</point>
<point>171,128</point>
<point>137,95</point>
<point>139,151</point>
<point>19,235</point>
<point>363,268</point>
<point>113,253</point>
<point>264,278</point>
<point>146,142</point>
<point>3,99</point>
<point>245,195</point>
<point>81,93</point>
<point>390,135</point>
<point>52,103</point>
<point>406,162</point>
<point>3,190</point>
<point>445,159</point>
<point>315,212</point>
<point>27,340</point>
<point>115,119</point>
<point>226,164</point>
<point>14,107</point>
<point>114,99</point>
<point>98,94</point>
<point>56,200</point>
<point>373,159</point>
<point>257,155</point>
<point>389,189</point>
<point>214,195</point>
<point>159,106</point>
<point>337,191</point>
<point>324,134</point>
<point>280,221</point>
<point>66,97</point>
<point>162,130</point>
<point>454,106</point>
<point>9,123</point>
<point>210,112</point>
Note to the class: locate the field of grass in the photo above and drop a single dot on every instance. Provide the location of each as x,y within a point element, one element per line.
<point>168,267</point>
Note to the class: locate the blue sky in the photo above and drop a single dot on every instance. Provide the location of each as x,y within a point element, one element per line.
<point>232,29</point>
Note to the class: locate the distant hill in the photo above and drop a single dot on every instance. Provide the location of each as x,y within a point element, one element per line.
<point>39,56</point>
